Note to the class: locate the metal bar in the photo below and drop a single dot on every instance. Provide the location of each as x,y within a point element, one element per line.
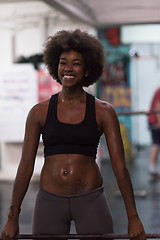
<point>76,10</point>
<point>138,112</point>
<point>80,236</point>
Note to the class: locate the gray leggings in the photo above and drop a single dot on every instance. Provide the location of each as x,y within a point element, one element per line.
<point>53,213</point>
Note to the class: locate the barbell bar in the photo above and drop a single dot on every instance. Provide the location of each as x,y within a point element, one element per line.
<point>82,236</point>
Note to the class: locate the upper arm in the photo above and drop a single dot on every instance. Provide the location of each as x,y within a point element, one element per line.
<point>31,138</point>
<point>111,130</point>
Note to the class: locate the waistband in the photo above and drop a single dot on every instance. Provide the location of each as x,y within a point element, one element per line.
<point>97,190</point>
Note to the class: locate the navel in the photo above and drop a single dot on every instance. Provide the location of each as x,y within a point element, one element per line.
<point>65,173</point>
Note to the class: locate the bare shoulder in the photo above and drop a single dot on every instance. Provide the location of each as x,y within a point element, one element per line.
<point>38,112</point>
<point>106,116</point>
<point>104,108</point>
<point>39,107</point>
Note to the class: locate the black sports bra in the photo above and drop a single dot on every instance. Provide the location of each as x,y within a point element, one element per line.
<point>64,138</point>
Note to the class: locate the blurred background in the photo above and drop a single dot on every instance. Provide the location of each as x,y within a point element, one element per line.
<point>130,33</point>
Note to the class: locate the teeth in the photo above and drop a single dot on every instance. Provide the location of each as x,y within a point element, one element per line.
<point>67,76</point>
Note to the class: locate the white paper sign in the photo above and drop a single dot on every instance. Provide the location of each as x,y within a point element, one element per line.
<point>18,93</point>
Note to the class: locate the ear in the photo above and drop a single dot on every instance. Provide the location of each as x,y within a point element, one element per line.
<point>86,74</point>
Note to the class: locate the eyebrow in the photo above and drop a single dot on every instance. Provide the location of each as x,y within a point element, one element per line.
<point>76,59</point>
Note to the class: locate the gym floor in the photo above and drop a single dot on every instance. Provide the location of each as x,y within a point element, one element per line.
<point>147,196</point>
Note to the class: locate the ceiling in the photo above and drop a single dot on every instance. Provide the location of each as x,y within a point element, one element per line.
<point>96,13</point>
<point>103,12</point>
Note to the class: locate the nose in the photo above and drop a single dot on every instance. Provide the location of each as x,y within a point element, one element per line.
<point>68,67</point>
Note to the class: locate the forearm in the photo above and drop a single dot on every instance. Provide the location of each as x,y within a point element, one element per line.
<point>125,186</point>
<point>11,227</point>
<point>21,183</point>
<point>20,188</point>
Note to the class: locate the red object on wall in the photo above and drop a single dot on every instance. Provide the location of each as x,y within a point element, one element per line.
<point>113,35</point>
<point>47,86</point>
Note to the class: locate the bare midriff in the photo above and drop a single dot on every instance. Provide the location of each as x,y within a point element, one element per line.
<point>70,174</point>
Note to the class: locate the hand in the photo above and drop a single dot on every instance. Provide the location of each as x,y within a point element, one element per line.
<point>135,229</point>
<point>10,229</point>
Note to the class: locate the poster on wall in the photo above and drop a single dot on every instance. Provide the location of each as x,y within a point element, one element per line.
<point>18,93</point>
<point>17,88</point>
<point>120,98</point>
<point>115,73</point>
<point>114,84</point>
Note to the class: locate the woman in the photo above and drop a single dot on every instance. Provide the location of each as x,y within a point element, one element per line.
<point>71,123</point>
<point>154,127</point>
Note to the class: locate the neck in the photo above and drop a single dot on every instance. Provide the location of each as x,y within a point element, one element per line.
<point>68,95</point>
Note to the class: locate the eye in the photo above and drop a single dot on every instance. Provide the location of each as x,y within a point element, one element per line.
<point>77,64</point>
<point>62,62</point>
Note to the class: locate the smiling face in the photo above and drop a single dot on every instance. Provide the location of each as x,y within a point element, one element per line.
<point>71,68</point>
